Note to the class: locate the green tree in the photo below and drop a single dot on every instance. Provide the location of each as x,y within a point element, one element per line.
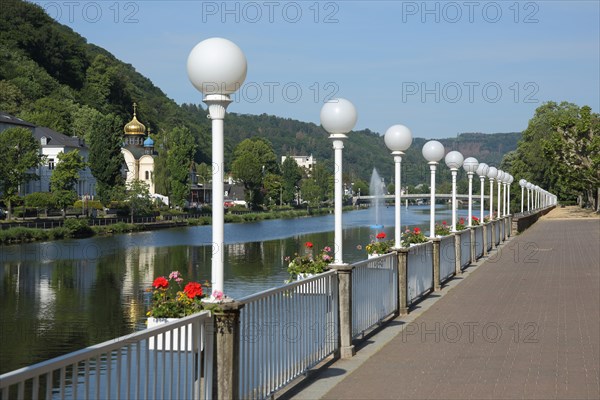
<point>19,154</point>
<point>138,198</point>
<point>40,200</point>
<point>560,151</point>
<point>291,174</point>
<point>64,177</point>
<point>317,188</point>
<point>273,188</point>
<point>179,159</point>
<point>253,160</point>
<point>106,160</point>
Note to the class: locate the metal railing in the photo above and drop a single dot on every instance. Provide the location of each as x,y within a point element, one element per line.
<point>130,367</point>
<point>478,242</point>
<point>419,271</point>
<point>488,234</point>
<point>285,331</point>
<point>374,292</point>
<point>465,248</point>
<point>447,257</point>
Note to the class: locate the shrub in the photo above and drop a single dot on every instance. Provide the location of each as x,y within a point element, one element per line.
<point>78,227</point>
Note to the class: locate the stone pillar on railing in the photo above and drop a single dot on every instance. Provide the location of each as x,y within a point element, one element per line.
<point>226,353</point>
<point>437,281</point>
<point>492,226</point>
<point>484,236</point>
<point>402,281</point>
<point>344,272</point>
<point>473,248</point>
<point>457,269</point>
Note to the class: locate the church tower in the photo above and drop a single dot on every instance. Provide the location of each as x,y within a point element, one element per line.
<point>138,151</point>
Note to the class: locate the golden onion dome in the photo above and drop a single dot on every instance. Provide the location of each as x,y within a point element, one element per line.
<point>134,127</point>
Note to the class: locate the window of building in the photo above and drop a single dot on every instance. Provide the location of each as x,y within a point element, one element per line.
<point>44,140</point>
<point>51,163</point>
<point>147,175</point>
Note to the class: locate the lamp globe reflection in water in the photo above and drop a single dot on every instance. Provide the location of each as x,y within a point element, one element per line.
<point>398,139</point>
<point>217,68</point>
<point>433,151</point>
<point>338,117</point>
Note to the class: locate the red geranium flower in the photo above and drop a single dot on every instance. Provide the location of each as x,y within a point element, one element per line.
<point>475,218</point>
<point>444,222</point>
<point>161,283</point>
<point>380,235</point>
<point>193,289</point>
<point>462,220</point>
<point>308,245</point>
<point>417,230</point>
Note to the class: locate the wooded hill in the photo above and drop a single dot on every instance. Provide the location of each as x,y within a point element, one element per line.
<point>51,76</point>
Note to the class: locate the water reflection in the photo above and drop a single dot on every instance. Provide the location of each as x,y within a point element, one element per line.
<point>61,296</point>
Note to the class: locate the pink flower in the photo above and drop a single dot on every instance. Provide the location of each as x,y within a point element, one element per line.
<point>327,249</point>
<point>218,295</point>
<point>326,257</point>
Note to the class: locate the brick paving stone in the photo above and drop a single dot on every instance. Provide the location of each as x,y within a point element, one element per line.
<point>525,324</point>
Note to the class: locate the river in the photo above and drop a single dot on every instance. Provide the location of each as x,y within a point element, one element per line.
<point>61,296</point>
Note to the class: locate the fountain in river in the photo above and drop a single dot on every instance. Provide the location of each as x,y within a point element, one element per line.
<point>377,202</point>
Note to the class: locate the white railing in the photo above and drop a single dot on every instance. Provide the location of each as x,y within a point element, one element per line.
<point>285,331</point>
<point>447,257</point>
<point>128,367</point>
<point>465,248</point>
<point>478,241</point>
<point>419,271</point>
<point>374,292</point>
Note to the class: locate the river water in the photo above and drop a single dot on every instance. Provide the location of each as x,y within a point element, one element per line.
<point>61,296</point>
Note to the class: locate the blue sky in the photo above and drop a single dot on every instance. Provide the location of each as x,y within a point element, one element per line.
<point>438,67</point>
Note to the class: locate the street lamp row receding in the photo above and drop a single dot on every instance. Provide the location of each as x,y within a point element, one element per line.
<point>454,161</point>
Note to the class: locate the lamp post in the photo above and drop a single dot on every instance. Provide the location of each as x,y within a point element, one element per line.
<point>528,186</point>
<point>338,117</point>
<point>537,196</point>
<point>492,174</point>
<point>398,138</point>
<point>454,161</point>
<point>504,192</point>
<point>433,151</point>
<point>499,178</point>
<point>470,165</point>
<point>217,68</point>
<point>510,181</point>
<point>482,171</point>
<point>522,183</point>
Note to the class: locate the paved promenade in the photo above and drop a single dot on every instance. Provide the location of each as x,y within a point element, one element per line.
<point>523,324</point>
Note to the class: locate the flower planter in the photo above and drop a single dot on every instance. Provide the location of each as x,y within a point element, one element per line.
<point>369,256</point>
<point>152,322</point>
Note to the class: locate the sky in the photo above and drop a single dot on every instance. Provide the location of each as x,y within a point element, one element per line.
<point>438,67</point>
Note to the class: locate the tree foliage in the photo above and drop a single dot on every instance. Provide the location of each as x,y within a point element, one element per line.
<point>560,151</point>
<point>19,155</point>
<point>64,177</point>
<point>180,155</point>
<point>253,160</point>
<point>106,160</point>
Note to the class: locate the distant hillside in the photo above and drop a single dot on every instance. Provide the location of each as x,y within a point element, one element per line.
<point>51,76</point>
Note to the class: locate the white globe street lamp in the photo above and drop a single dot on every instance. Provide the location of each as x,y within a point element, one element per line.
<point>522,183</point>
<point>217,67</point>
<point>398,138</point>
<point>504,192</point>
<point>454,161</point>
<point>510,181</point>
<point>499,179</point>
<point>529,185</point>
<point>338,117</point>
<point>482,171</point>
<point>433,151</point>
<point>470,165</point>
<point>492,174</point>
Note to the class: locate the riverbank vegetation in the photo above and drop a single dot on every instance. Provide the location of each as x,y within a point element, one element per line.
<point>78,228</point>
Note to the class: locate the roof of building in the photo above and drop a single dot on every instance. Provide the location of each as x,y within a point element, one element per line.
<point>11,119</point>
<point>148,142</point>
<point>134,127</point>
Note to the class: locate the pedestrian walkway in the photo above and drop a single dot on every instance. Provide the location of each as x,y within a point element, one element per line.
<point>525,323</point>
